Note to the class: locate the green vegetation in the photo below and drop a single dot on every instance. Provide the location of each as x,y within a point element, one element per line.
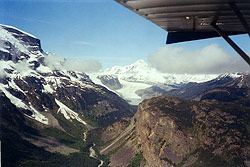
<point>169,161</point>
<point>19,152</point>
<point>193,130</point>
<point>137,160</point>
<point>196,164</point>
<point>66,139</point>
<point>115,150</point>
<point>91,114</point>
<point>207,158</point>
<point>112,152</point>
<point>192,152</point>
<point>73,127</point>
<point>181,113</point>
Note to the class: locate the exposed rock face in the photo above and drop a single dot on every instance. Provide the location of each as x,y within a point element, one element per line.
<point>162,142</point>
<point>177,132</point>
<point>122,144</point>
<point>210,130</point>
<point>110,81</point>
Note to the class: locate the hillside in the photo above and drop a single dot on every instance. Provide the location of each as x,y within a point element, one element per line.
<point>47,112</point>
<point>168,131</point>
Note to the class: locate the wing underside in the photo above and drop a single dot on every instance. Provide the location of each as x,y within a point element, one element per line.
<point>187,20</point>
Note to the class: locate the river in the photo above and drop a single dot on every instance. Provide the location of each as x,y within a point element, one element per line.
<point>92,153</point>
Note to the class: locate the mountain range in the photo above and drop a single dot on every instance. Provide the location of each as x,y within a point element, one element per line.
<point>140,75</point>
<point>57,117</point>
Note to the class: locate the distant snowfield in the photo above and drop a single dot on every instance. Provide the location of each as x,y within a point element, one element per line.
<point>129,89</point>
<point>140,75</point>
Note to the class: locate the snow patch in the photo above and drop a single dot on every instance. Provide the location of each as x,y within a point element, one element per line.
<point>14,100</point>
<point>38,116</point>
<point>20,104</point>
<point>4,50</point>
<point>47,89</point>
<point>232,75</point>
<point>13,85</point>
<point>68,113</point>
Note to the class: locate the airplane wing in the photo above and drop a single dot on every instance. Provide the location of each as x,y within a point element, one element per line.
<point>187,20</point>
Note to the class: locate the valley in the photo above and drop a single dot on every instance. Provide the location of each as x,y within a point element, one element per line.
<point>122,116</point>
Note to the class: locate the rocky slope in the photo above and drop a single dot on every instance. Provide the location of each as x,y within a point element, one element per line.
<point>48,109</point>
<point>168,131</point>
<point>209,128</point>
<point>110,81</point>
<point>178,132</point>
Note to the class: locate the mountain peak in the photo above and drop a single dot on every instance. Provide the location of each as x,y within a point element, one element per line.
<point>140,62</point>
<point>138,66</point>
<point>18,45</point>
<point>231,75</point>
<point>16,30</point>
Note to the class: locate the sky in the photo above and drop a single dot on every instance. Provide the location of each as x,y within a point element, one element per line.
<point>106,32</point>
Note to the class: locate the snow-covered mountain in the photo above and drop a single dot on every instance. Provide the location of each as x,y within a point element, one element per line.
<point>235,83</point>
<point>141,75</point>
<point>141,71</point>
<point>26,78</point>
<point>48,107</point>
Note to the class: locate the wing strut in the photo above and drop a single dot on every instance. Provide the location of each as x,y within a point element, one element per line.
<point>230,42</point>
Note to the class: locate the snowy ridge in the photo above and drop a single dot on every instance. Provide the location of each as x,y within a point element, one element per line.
<point>7,36</point>
<point>50,84</point>
<point>140,71</point>
<point>25,33</point>
<point>20,104</point>
<point>140,75</point>
<point>231,75</point>
<point>68,113</point>
<point>26,63</point>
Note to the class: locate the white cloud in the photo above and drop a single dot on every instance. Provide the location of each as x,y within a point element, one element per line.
<point>211,59</point>
<point>56,62</point>
<point>83,43</point>
<point>83,66</point>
